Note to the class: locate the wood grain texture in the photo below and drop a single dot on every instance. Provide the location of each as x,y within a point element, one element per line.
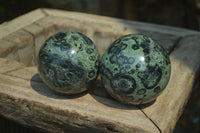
<point>27,100</point>
<point>23,47</point>
<point>9,27</point>
<point>9,66</point>
<point>19,99</point>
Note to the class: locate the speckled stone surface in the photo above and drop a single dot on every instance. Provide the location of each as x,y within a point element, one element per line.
<point>135,69</point>
<point>68,62</point>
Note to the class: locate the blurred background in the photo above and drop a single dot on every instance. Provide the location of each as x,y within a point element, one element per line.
<point>177,13</point>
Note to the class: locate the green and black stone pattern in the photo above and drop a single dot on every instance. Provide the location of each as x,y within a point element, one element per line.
<point>135,69</point>
<point>68,62</point>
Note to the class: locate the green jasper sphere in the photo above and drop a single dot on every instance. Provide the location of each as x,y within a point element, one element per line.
<point>68,62</point>
<point>135,69</point>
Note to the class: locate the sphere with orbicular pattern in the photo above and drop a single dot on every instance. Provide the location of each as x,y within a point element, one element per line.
<point>135,69</point>
<point>68,62</point>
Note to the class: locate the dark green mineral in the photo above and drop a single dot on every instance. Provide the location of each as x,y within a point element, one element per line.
<point>68,62</point>
<point>135,69</point>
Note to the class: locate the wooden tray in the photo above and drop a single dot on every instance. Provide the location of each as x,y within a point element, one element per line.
<point>25,98</point>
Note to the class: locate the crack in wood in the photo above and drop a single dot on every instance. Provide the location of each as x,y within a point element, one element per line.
<point>150,120</point>
<point>12,70</point>
<point>37,24</point>
<point>6,39</point>
<point>15,76</point>
<point>53,117</point>
<point>43,11</point>
<point>176,45</point>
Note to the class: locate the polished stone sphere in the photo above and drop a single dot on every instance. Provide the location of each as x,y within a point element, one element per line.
<point>135,69</point>
<point>68,62</point>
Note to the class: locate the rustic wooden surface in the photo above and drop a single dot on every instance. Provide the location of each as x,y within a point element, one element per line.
<point>25,99</point>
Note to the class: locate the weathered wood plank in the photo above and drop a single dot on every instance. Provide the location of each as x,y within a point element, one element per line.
<point>38,33</point>
<point>24,20</point>
<point>25,73</point>
<point>6,47</point>
<point>87,112</point>
<point>8,65</point>
<point>22,48</point>
<point>169,105</point>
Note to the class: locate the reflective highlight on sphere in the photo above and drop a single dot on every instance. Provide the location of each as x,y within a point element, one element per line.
<point>135,69</point>
<point>68,62</point>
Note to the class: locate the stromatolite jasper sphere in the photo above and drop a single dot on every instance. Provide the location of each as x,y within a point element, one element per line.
<point>68,62</point>
<point>135,69</point>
